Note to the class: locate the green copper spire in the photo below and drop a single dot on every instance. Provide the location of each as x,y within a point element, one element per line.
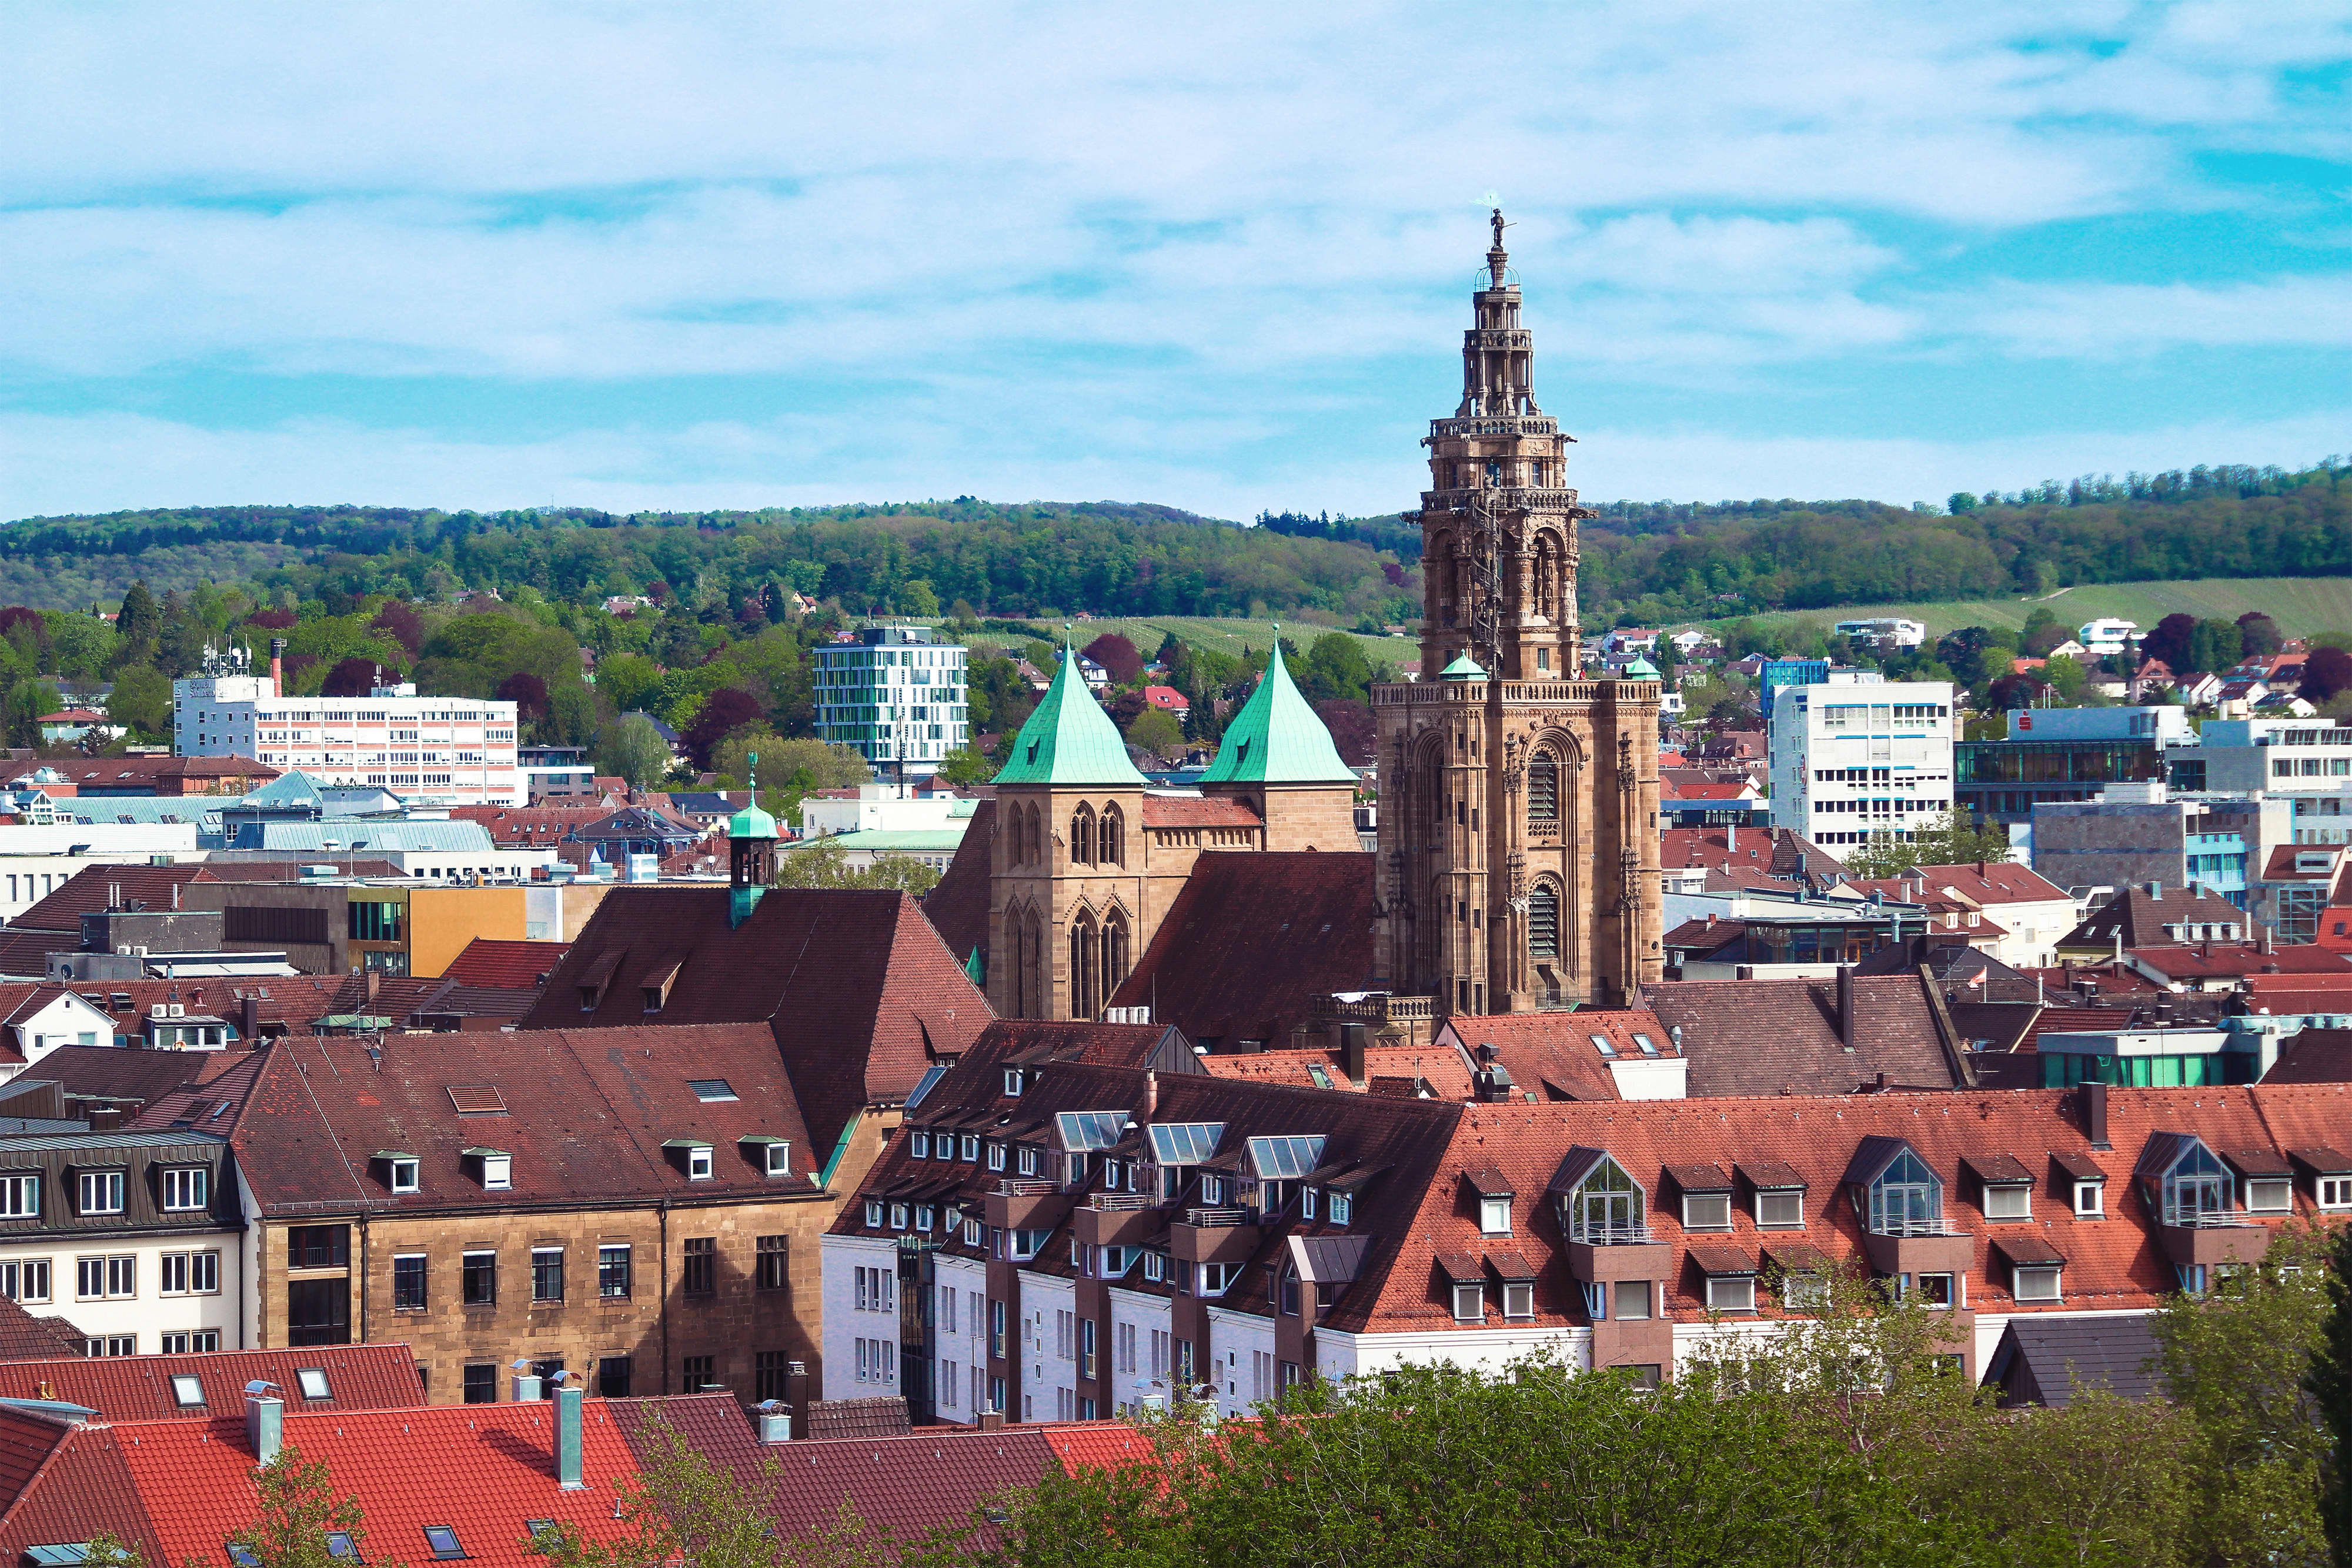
<point>752,822</point>
<point>1069,739</point>
<point>1277,738</point>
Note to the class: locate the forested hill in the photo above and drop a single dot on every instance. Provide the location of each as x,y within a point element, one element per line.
<point>1641,561</point>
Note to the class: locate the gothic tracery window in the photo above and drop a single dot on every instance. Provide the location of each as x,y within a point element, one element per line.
<point>1110,836</point>
<point>1114,954</point>
<point>1086,996</point>
<point>1082,836</point>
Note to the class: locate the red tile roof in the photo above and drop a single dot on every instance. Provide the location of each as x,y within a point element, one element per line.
<point>24,1336</point>
<point>2113,1263</point>
<point>177,1489</point>
<point>529,826</point>
<point>139,1387</point>
<point>1254,941</point>
<point>1742,792</point>
<point>1551,1055</point>
<point>1437,1069</point>
<point>2229,960</point>
<point>504,966</point>
<point>1983,883</point>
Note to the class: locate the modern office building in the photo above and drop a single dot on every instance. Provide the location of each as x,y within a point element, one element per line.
<point>2138,833</point>
<point>2281,756</point>
<point>1849,759</point>
<point>895,694</point>
<point>2065,754</point>
<point>457,751</point>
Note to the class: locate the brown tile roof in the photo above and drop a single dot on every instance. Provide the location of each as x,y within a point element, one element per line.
<point>1253,940</point>
<point>587,1113</point>
<point>1983,883</point>
<point>1779,852</point>
<point>26,952</point>
<point>1551,1055</point>
<point>857,1418</point>
<point>1437,1069</point>
<point>1775,1037</point>
<point>529,826</point>
<point>93,888</point>
<point>2316,1056</point>
<point>1072,1039</point>
<point>111,1072</point>
<point>139,1387</point>
<point>957,906</point>
<point>860,993</point>
<point>2142,916</point>
<point>1198,811</point>
<point>504,966</point>
<point>23,1337</point>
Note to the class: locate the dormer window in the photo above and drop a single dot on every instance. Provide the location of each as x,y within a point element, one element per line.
<point>1493,1193</point>
<point>1707,1197</point>
<point>1605,1206</point>
<point>2090,1199</point>
<point>919,1145</point>
<point>1307,1204</point>
<point>1494,1216</point>
<point>2331,1176</point>
<point>1343,1208</point>
<point>1212,1190</point>
<point>995,1156</point>
<point>2005,1186</point>
<point>698,1163</point>
<point>874,1212</point>
<point>1013,1081</point>
<point>2190,1185</point>
<point>1028,1160</point>
<point>1780,1195</point>
<point>401,1170</point>
<point>493,1167</point>
<point>776,1158</point>
<point>1897,1192</point>
<point>971,1150</point>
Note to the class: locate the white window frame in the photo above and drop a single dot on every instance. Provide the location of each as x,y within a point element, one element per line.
<point>2056,1272</point>
<point>26,1280</point>
<point>1700,1209</point>
<point>1343,1207</point>
<point>20,1196</point>
<point>2278,1193</point>
<point>1494,1216</point>
<point>1731,1292</point>
<point>2090,1200</point>
<point>1998,1193</point>
<point>701,1163</point>
<point>1469,1302</point>
<point>497,1172</point>
<point>1519,1299</point>
<point>2333,1192</point>
<point>779,1159</point>
<point>178,1181</point>
<point>1774,1194</point>
<point>407,1175</point>
<point>101,1192</point>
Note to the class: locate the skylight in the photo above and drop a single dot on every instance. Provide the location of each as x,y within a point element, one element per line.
<point>1185,1143</point>
<point>312,1381</point>
<point>477,1099</point>
<point>443,1539</point>
<point>709,1090</point>
<point>1087,1132</point>
<point>1285,1159</point>
<point>1649,1046</point>
<point>187,1392</point>
<point>1601,1044</point>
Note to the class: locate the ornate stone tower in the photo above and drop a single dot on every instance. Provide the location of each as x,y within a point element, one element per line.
<point>1518,815</point>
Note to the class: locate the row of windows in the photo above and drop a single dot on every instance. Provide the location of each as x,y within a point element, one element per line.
<point>179,1189</point>
<point>112,1277</point>
<point>615,1279</point>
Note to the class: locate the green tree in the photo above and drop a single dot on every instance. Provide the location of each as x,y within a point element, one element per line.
<point>138,621</point>
<point>631,746</point>
<point>298,1507</point>
<point>1954,839</point>
<point>917,598</point>
<point>2236,1361</point>
<point>1157,731</point>
<point>1336,668</point>
<point>629,682</point>
<point>142,699</point>
<point>966,764</point>
<point>2214,645</point>
<point>824,863</point>
<point>2329,1384</point>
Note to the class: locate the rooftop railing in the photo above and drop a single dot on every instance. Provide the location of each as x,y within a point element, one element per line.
<point>1023,1187</point>
<point>1611,1235</point>
<point>1119,1202</point>
<point>1917,1227</point>
<point>1216,1218</point>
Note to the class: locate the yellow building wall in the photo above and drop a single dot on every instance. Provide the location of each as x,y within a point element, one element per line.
<point>442,920</point>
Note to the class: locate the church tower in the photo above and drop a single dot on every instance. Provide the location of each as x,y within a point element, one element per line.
<point>1518,825</point>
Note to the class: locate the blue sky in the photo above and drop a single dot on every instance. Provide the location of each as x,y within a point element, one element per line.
<point>626,256</point>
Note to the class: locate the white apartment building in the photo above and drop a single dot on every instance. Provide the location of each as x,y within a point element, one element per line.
<point>1889,630</point>
<point>1852,759</point>
<point>457,751</point>
<point>2105,635</point>
<point>896,694</point>
<point>2281,756</point>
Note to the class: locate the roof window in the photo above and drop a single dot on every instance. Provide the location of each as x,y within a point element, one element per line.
<point>712,1090</point>
<point>1601,1044</point>
<point>1649,1046</point>
<point>443,1539</point>
<point>312,1382</point>
<point>187,1391</point>
<point>242,1555</point>
<point>58,1556</point>
<point>478,1100</point>
<point>341,1547</point>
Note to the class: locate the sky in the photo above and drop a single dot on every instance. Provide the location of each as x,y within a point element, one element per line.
<point>1214,256</point>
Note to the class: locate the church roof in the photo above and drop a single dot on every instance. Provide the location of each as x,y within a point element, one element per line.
<point>1277,738</point>
<point>1068,740</point>
<point>1462,668</point>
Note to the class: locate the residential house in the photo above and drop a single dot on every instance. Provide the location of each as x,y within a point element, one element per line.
<point>2152,914</point>
<point>1168,699</point>
<point>202,1386</point>
<point>132,1235</point>
<point>2031,913</point>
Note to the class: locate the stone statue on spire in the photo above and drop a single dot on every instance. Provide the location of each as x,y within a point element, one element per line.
<point>1499,226</point>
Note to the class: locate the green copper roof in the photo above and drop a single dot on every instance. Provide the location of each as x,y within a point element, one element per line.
<point>1068,740</point>
<point>1462,668</point>
<point>1277,738</point>
<point>1640,669</point>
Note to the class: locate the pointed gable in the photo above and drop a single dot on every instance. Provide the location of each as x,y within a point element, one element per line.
<point>1277,738</point>
<point>1069,739</point>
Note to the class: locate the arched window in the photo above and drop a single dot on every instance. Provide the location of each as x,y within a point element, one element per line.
<point>1432,786</point>
<point>1114,961</point>
<point>1024,835</point>
<point>1543,921</point>
<point>1110,836</point>
<point>1085,997</point>
<point>1082,836</point>
<point>1543,789</point>
<point>1028,952</point>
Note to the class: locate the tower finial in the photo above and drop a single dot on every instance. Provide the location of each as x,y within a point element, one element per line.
<point>753,780</point>
<point>1498,258</point>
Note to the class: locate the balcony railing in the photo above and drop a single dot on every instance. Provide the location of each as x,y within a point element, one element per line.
<point>1611,1235</point>
<point>1216,1218</point>
<point>2213,1220</point>
<point>1023,1187</point>
<point>1917,1227</point>
<point>1119,1202</point>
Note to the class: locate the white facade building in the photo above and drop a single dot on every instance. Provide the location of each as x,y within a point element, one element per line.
<point>1887,632</point>
<point>2280,755</point>
<point>1851,760</point>
<point>455,752</point>
<point>896,695</point>
<point>2105,635</point>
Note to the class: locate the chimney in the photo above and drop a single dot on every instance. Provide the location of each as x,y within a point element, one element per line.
<point>277,667</point>
<point>375,980</point>
<point>248,1019</point>
<point>106,1119</point>
<point>2156,890</point>
<point>991,1420</point>
<point>2067,970</point>
<point>796,1392</point>
<point>569,1473</point>
<point>1845,1005</point>
<point>1354,1042</point>
<point>527,1384</point>
<point>2095,1114</point>
<point>773,1420</point>
<point>265,1420</point>
<point>2269,935</point>
<point>1151,1094</point>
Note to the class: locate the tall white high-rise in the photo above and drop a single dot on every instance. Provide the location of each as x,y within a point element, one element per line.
<point>1858,757</point>
<point>896,694</point>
